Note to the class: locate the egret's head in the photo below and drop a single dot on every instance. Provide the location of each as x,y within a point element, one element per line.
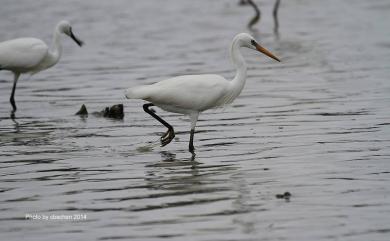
<point>245,40</point>
<point>64,27</point>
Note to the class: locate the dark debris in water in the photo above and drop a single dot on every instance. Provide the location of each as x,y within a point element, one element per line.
<point>285,195</point>
<point>115,111</point>
<point>343,113</point>
<point>83,111</point>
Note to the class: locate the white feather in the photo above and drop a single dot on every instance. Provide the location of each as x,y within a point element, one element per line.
<point>189,92</point>
<point>22,54</point>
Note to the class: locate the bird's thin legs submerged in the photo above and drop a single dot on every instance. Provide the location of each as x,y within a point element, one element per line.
<point>12,98</point>
<point>194,119</point>
<point>170,134</point>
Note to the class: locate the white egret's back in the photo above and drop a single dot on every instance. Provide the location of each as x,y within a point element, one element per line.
<point>22,54</point>
<point>188,92</point>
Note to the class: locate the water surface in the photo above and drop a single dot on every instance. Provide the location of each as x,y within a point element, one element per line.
<point>316,125</point>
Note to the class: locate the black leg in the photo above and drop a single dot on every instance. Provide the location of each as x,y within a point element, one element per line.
<point>12,98</point>
<point>275,14</point>
<point>257,16</point>
<point>191,145</point>
<point>194,119</point>
<point>170,134</point>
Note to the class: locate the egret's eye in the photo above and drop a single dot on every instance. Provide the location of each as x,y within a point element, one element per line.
<point>253,42</point>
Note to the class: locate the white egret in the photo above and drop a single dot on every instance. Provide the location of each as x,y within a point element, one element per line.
<point>192,94</point>
<point>31,55</point>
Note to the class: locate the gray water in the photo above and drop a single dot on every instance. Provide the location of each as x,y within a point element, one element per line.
<point>316,125</point>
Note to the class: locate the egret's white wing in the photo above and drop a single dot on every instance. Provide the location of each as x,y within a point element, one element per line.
<point>192,92</point>
<point>22,53</point>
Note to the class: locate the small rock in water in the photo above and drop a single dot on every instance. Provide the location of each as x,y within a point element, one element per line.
<point>285,195</point>
<point>82,111</point>
<point>115,111</point>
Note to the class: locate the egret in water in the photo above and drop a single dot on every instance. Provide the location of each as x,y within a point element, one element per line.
<point>192,94</point>
<point>31,55</point>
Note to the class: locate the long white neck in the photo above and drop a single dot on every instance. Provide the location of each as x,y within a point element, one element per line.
<point>237,84</point>
<point>56,47</point>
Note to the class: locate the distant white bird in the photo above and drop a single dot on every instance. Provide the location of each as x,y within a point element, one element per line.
<point>192,94</point>
<point>31,55</point>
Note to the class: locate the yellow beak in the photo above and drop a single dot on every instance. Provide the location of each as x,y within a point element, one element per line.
<point>266,52</point>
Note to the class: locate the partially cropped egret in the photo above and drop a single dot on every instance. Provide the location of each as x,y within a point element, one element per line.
<point>31,55</point>
<point>192,94</point>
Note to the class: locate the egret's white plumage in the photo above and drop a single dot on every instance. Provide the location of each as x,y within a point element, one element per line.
<point>31,55</point>
<point>206,92</point>
<point>192,94</point>
<point>22,54</point>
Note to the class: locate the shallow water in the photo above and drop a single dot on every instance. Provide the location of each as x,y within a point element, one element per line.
<point>316,125</point>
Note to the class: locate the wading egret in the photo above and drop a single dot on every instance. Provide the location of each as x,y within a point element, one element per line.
<point>31,55</point>
<point>192,94</point>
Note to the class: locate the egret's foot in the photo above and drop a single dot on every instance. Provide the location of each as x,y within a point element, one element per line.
<point>192,159</point>
<point>12,115</point>
<point>167,137</point>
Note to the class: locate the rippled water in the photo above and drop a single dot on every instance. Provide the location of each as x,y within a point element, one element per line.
<point>316,125</point>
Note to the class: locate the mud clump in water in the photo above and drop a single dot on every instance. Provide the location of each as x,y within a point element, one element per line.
<point>115,111</point>
<point>83,111</point>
